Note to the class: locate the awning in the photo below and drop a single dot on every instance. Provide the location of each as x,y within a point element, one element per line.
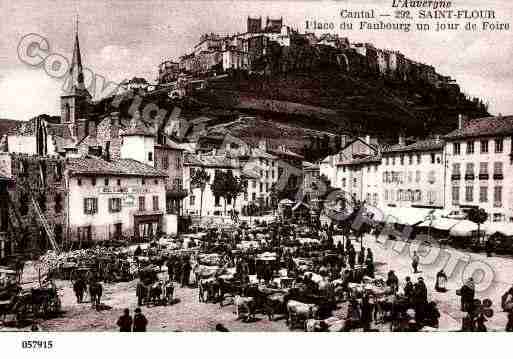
<point>442,224</point>
<point>464,228</point>
<point>506,229</point>
<point>408,215</point>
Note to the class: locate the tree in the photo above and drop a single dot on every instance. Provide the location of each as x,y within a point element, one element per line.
<point>237,186</point>
<point>478,216</point>
<point>199,179</point>
<point>220,186</point>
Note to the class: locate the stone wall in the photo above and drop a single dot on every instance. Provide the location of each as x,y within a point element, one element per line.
<point>43,179</point>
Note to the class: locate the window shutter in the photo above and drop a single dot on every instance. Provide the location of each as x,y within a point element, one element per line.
<point>85,205</point>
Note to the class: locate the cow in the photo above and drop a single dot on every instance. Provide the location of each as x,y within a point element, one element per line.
<point>95,292</point>
<point>246,304</point>
<point>275,303</point>
<point>297,311</point>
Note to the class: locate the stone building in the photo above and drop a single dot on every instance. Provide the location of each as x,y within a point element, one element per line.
<point>37,198</point>
<point>480,167</point>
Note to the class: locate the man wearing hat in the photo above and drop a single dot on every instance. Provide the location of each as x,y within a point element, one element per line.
<point>420,300</point>
<point>125,321</point>
<point>140,321</point>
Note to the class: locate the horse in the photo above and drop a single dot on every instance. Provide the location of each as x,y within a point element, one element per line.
<point>155,293</point>
<point>95,292</point>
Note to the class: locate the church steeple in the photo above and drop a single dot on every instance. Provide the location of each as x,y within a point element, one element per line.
<point>75,99</point>
<point>76,85</point>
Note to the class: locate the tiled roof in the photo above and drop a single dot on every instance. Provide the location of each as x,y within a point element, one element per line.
<point>424,145</point>
<point>170,146</point>
<point>257,152</point>
<point>487,126</point>
<point>208,161</point>
<point>250,173</point>
<point>359,161</point>
<point>285,152</point>
<point>124,167</point>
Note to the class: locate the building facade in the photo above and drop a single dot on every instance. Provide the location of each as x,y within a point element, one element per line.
<point>480,167</point>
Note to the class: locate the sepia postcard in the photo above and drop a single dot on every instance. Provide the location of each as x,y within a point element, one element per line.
<point>255,166</point>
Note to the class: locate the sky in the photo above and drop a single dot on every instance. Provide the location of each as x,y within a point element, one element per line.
<point>120,39</point>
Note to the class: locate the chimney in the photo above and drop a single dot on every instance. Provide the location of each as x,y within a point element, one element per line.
<point>402,140</point>
<point>114,124</point>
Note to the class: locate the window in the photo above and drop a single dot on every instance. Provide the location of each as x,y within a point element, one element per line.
<point>410,159</point>
<point>93,181</point>
<point>150,156</point>
<point>106,181</point>
<point>455,195</point>
<point>470,147</point>
<point>191,200</point>
<point>417,176</point>
<point>253,196</point>
<point>58,203</point>
<point>343,182</point>
<point>431,177</point>
<point>484,146</point>
<point>432,197</point>
<point>456,148</point>
<point>253,183</point>
<point>119,182</point>
<point>143,181</point>
<point>261,173</point>
<point>419,159</point>
<point>498,145</point>
<point>156,181</point>
<point>90,205</point>
<point>483,194</point>
<point>483,168</point>
<point>386,195</point>
<point>261,186</point>
<point>246,196</point>
<point>266,174</point>
<point>178,162</point>
<point>456,168</point>
<point>469,171</point>
<point>387,161</point>
<point>402,160</point>
<point>142,204</point>
<point>272,174</point>
<point>155,203</point>
<point>497,196</point>
<point>410,177</point>
<point>497,168</point>
<point>498,217</point>
<point>469,193</point>
<point>165,162</point>
<point>217,201</point>
<point>432,158</point>
<point>267,187</point>
<point>355,182</point>
<point>79,181</point>
<point>393,161</point>
<point>114,205</point>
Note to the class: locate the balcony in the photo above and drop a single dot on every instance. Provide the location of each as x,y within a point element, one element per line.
<point>176,191</point>
<point>498,176</point>
<point>456,177</point>
<point>469,177</point>
<point>484,176</point>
